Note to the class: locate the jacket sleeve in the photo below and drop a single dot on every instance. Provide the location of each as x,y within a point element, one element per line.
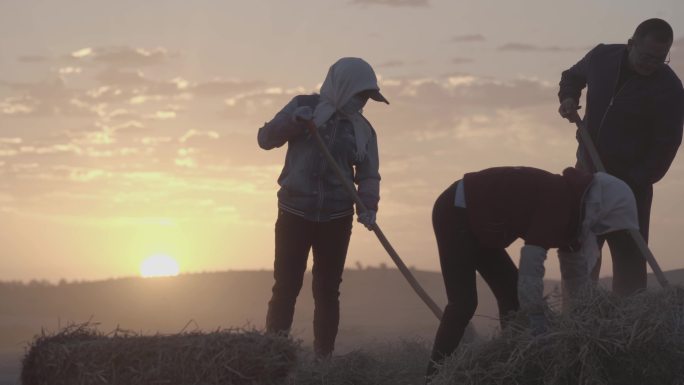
<point>531,278</point>
<point>574,79</point>
<point>281,128</point>
<point>668,121</point>
<point>367,175</point>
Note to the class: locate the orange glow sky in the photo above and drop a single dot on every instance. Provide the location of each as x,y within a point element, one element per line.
<point>128,128</point>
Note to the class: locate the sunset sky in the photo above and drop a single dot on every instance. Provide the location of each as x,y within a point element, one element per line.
<point>128,128</point>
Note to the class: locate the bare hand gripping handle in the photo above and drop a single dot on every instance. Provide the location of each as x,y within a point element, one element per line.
<point>436,310</point>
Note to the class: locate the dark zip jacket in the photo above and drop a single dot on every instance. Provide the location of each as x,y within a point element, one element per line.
<point>507,203</point>
<point>637,127</point>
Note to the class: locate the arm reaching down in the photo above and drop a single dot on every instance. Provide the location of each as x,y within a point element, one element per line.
<point>367,176</point>
<point>531,286</point>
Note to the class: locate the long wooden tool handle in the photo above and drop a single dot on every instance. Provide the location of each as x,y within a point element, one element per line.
<point>636,236</point>
<point>650,258</point>
<point>588,144</point>
<point>436,310</point>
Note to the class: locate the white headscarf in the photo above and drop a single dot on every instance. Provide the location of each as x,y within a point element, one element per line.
<point>609,205</point>
<point>346,78</point>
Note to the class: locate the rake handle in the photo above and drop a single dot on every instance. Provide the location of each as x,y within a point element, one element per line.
<point>436,310</point>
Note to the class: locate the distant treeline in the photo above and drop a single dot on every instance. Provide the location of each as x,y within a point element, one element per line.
<point>376,302</point>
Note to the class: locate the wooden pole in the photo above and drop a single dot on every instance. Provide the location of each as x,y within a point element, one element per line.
<point>436,310</point>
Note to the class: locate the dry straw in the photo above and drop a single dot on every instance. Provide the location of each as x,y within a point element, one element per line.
<point>80,355</point>
<point>604,340</point>
<point>382,363</point>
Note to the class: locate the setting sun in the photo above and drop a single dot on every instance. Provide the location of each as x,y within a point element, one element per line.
<point>159,266</point>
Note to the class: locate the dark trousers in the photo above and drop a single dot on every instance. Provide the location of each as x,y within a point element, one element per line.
<point>294,237</point>
<point>461,256</point>
<point>629,266</point>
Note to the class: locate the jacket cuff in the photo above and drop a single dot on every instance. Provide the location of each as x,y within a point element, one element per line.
<point>565,95</point>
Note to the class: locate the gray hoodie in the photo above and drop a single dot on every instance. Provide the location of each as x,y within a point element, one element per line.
<point>309,187</point>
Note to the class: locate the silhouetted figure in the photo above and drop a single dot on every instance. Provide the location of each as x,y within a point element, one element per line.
<point>314,211</point>
<point>635,113</point>
<point>477,217</point>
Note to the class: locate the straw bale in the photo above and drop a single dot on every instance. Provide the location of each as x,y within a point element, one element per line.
<point>604,340</point>
<point>81,355</point>
<point>381,363</point>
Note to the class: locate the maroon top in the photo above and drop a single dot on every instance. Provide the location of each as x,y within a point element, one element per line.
<point>506,203</point>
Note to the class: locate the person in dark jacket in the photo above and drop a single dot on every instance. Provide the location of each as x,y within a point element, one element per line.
<point>314,211</point>
<point>635,114</point>
<point>476,218</point>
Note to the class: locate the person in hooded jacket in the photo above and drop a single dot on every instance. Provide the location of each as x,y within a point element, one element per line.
<point>314,211</point>
<point>634,114</point>
<point>476,218</point>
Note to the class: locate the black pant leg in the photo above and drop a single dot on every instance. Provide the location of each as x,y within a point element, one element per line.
<point>293,237</point>
<point>497,269</point>
<point>457,254</point>
<point>644,200</point>
<point>330,245</point>
<point>629,266</point>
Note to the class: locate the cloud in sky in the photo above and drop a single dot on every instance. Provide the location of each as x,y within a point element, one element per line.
<point>32,59</point>
<point>391,64</point>
<point>43,98</point>
<point>469,38</point>
<point>677,56</point>
<point>122,56</point>
<point>127,79</point>
<point>525,47</point>
<point>17,106</point>
<point>463,90</point>
<point>461,60</point>
<point>117,92</point>
<point>222,88</point>
<point>258,105</point>
<point>121,78</point>
<point>395,3</point>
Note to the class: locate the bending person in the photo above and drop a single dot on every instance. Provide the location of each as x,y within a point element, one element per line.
<point>476,218</point>
<point>314,211</point>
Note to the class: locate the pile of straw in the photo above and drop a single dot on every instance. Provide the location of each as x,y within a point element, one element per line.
<point>389,363</point>
<point>80,355</point>
<point>604,340</point>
